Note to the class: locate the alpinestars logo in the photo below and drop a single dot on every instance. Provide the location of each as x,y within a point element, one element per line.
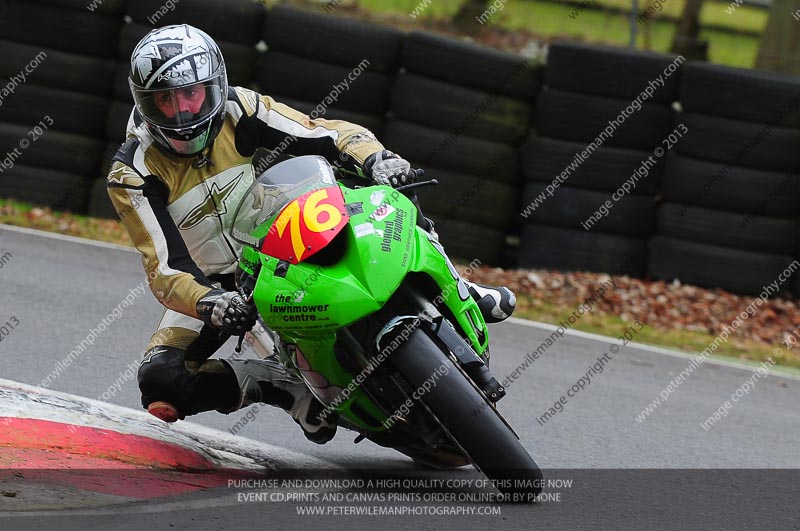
<point>212,205</point>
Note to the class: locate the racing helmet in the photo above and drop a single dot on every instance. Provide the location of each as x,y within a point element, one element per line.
<point>180,87</point>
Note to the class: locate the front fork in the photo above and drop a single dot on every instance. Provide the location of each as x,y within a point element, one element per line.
<point>261,339</point>
<point>443,333</point>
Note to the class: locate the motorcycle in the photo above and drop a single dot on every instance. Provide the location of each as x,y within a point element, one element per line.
<point>366,308</point>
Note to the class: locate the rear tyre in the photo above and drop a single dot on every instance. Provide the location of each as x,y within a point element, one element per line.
<point>490,444</point>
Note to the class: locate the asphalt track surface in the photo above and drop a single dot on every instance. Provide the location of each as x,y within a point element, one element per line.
<point>59,289</point>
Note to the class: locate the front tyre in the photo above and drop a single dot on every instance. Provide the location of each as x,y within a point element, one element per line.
<point>458,406</point>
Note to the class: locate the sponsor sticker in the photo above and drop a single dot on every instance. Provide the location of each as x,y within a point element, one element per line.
<point>366,229</point>
<point>376,197</point>
<point>382,212</point>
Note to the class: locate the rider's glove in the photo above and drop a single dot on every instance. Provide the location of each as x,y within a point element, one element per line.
<point>388,168</point>
<point>227,311</point>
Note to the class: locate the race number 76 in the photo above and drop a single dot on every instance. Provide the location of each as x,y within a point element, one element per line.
<point>315,214</point>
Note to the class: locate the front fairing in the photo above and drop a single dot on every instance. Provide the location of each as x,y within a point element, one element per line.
<point>352,278</point>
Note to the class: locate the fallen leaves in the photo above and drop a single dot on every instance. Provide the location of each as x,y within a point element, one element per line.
<point>665,305</point>
<point>19,214</point>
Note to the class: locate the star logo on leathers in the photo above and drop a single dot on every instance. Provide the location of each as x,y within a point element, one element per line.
<point>117,175</point>
<point>212,205</point>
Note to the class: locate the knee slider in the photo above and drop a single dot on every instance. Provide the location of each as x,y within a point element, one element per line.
<point>163,377</point>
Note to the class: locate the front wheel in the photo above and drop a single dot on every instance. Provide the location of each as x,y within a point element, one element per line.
<point>458,406</point>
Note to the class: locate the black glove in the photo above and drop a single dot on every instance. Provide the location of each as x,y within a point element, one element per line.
<point>388,168</point>
<point>227,311</point>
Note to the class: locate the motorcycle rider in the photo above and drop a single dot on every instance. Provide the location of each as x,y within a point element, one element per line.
<point>175,184</point>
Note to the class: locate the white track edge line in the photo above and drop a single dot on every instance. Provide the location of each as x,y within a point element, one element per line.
<point>650,348</point>
<point>67,238</point>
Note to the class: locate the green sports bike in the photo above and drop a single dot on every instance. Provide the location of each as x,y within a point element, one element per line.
<point>364,305</point>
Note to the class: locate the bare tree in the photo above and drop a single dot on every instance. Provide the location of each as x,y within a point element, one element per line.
<point>687,37</point>
<point>780,43</point>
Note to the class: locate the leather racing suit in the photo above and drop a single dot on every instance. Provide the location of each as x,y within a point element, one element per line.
<point>178,211</point>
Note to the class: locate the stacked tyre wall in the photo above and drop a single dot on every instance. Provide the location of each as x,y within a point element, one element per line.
<point>459,111</point>
<point>586,88</point>
<point>53,124</point>
<point>329,67</point>
<point>719,209</point>
<point>731,191</point>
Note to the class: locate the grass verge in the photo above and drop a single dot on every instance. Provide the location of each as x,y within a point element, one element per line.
<point>552,19</point>
<point>25,215</point>
<point>691,342</point>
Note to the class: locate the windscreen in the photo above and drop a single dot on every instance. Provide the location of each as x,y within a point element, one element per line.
<point>273,190</point>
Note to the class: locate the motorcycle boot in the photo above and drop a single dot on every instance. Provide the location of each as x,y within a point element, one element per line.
<point>268,381</point>
<point>495,303</point>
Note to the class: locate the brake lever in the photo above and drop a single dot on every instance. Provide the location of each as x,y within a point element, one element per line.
<point>432,182</point>
<point>238,348</point>
<point>223,336</point>
<point>248,299</point>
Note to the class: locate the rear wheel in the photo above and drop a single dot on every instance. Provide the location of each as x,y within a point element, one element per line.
<point>467,416</point>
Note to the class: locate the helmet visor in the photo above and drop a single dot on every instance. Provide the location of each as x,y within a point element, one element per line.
<point>181,107</point>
